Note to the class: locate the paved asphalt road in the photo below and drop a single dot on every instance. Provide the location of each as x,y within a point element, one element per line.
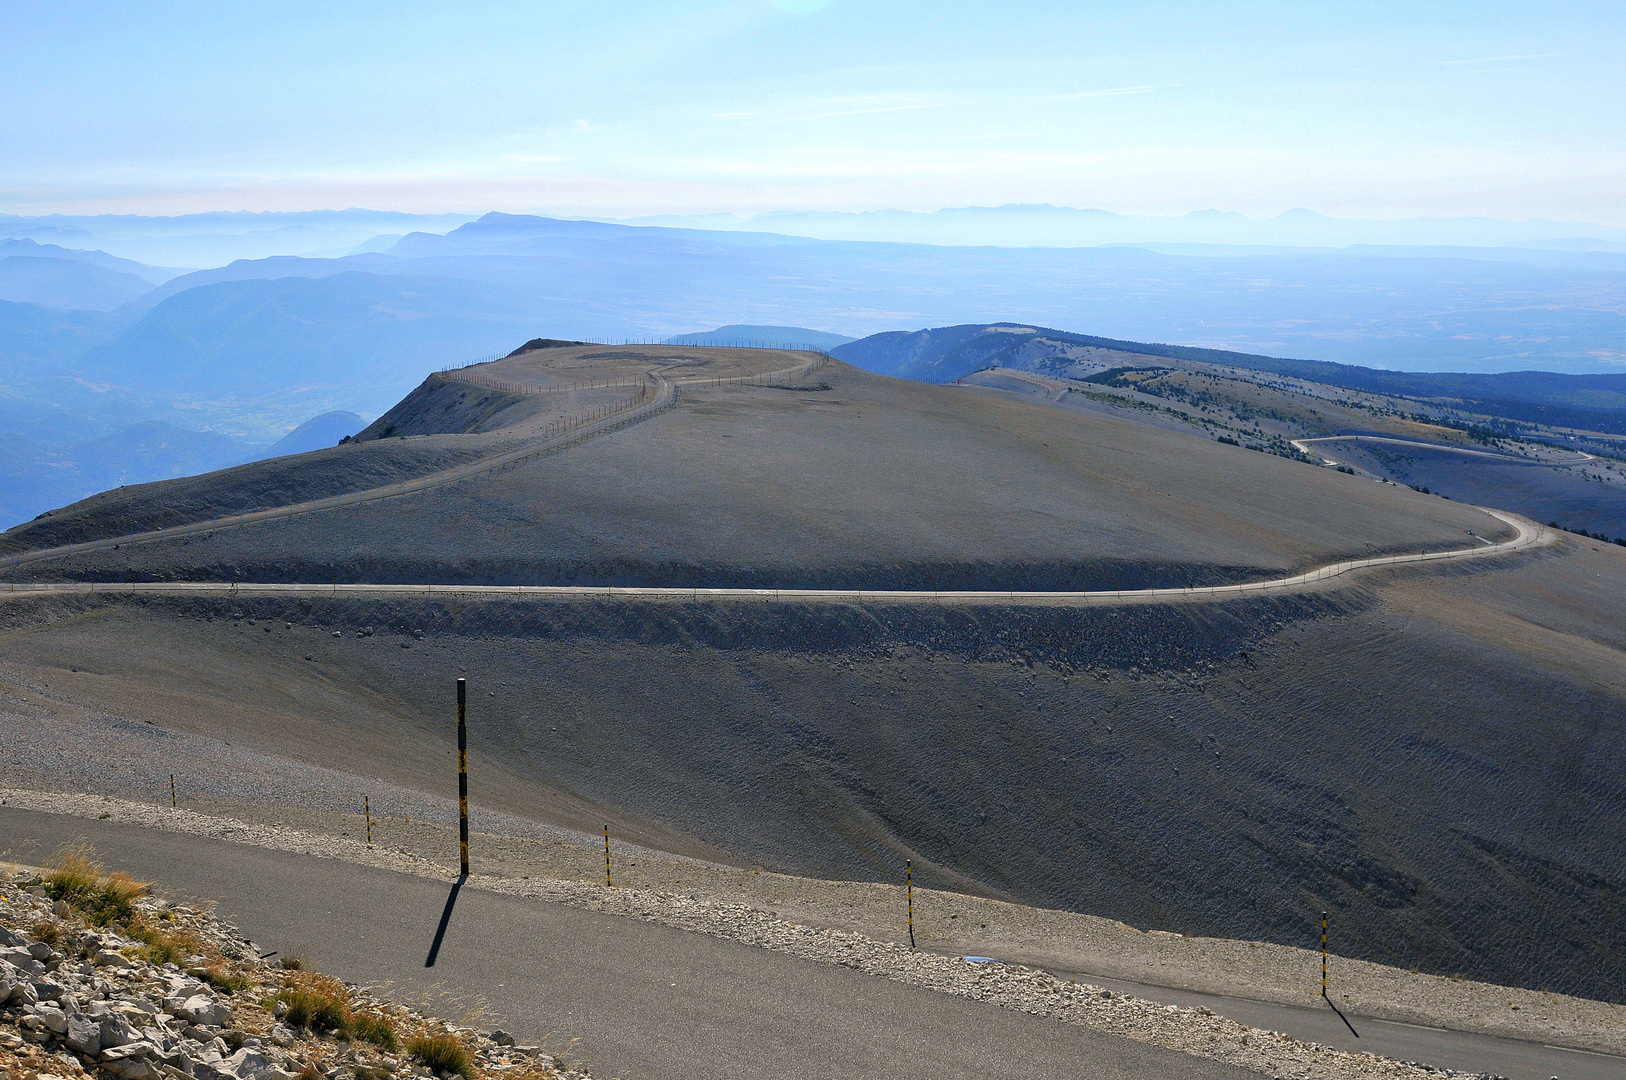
<point>647,1002</point>
<point>1528,534</point>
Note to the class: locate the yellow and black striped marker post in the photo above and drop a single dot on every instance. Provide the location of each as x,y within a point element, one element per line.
<point>608,884</point>
<point>909,892</point>
<point>172,791</point>
<point>463,776</point>
<point>367,812</point>
<point>1324,996</point>
<point>1324,955</point>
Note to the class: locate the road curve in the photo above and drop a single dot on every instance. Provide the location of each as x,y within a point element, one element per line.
<point>1303,446</point>
<point>1529,535</point>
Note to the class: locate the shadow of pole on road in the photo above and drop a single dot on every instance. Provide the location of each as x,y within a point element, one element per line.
<point>445,920</point>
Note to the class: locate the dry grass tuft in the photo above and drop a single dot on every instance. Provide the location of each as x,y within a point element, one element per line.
<point>162,945</point>
<point>443,1054</point>
<point>226,980</point>
<point>315,1002</point>
<point>374,1028</point>
<point>321,1004</point>
<point>46,930</point>
<point>74,877</point>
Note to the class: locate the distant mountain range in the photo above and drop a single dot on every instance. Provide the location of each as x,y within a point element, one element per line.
<point>92,342</point>
<point>214,239</point>
<point>775,336</point>
<point>1025,224</point>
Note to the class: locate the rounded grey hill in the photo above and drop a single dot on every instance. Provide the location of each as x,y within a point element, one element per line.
<point>835,478</point>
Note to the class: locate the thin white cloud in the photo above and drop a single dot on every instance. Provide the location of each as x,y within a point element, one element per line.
<point>868,112</point>
<point>1116,91</point>
<point>1499,59</point>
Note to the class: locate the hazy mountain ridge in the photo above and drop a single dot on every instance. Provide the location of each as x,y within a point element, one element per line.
<point>742,334</point>
<point>317,433</point>
<point>216,238</point>
<point>353,337</point>
<point>949,353</point>
<point>1042,224</point>
<point>32,335</point>
<point>255,347</point>
<point>67,284</point>
<point>153,275</point>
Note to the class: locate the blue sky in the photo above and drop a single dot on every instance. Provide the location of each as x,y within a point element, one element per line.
<point>629,108</point>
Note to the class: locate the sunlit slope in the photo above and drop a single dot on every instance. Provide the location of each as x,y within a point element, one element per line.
<point>836,478</point>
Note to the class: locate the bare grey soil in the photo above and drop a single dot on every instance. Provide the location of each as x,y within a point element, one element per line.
<point>848,480</point>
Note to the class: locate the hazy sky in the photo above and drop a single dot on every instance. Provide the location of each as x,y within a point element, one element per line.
<point>617,107</point>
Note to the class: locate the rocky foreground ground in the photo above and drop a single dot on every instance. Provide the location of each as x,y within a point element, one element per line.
<point>99,978</point>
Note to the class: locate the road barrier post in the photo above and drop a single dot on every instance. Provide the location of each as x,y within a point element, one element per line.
<point>463,776</point>
<point>1324,996</point>
<point>608,884</point>
<point>172,791</point>
<point>909,892</point>
<point>1324,954</point>
<point>367,812</point>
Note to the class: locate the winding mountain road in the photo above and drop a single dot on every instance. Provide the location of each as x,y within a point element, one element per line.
<point>657,392</point>
<point>1303,446</point>
<point>1528,535</point>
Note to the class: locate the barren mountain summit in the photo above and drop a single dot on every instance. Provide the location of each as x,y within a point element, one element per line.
<point>762,468</point>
